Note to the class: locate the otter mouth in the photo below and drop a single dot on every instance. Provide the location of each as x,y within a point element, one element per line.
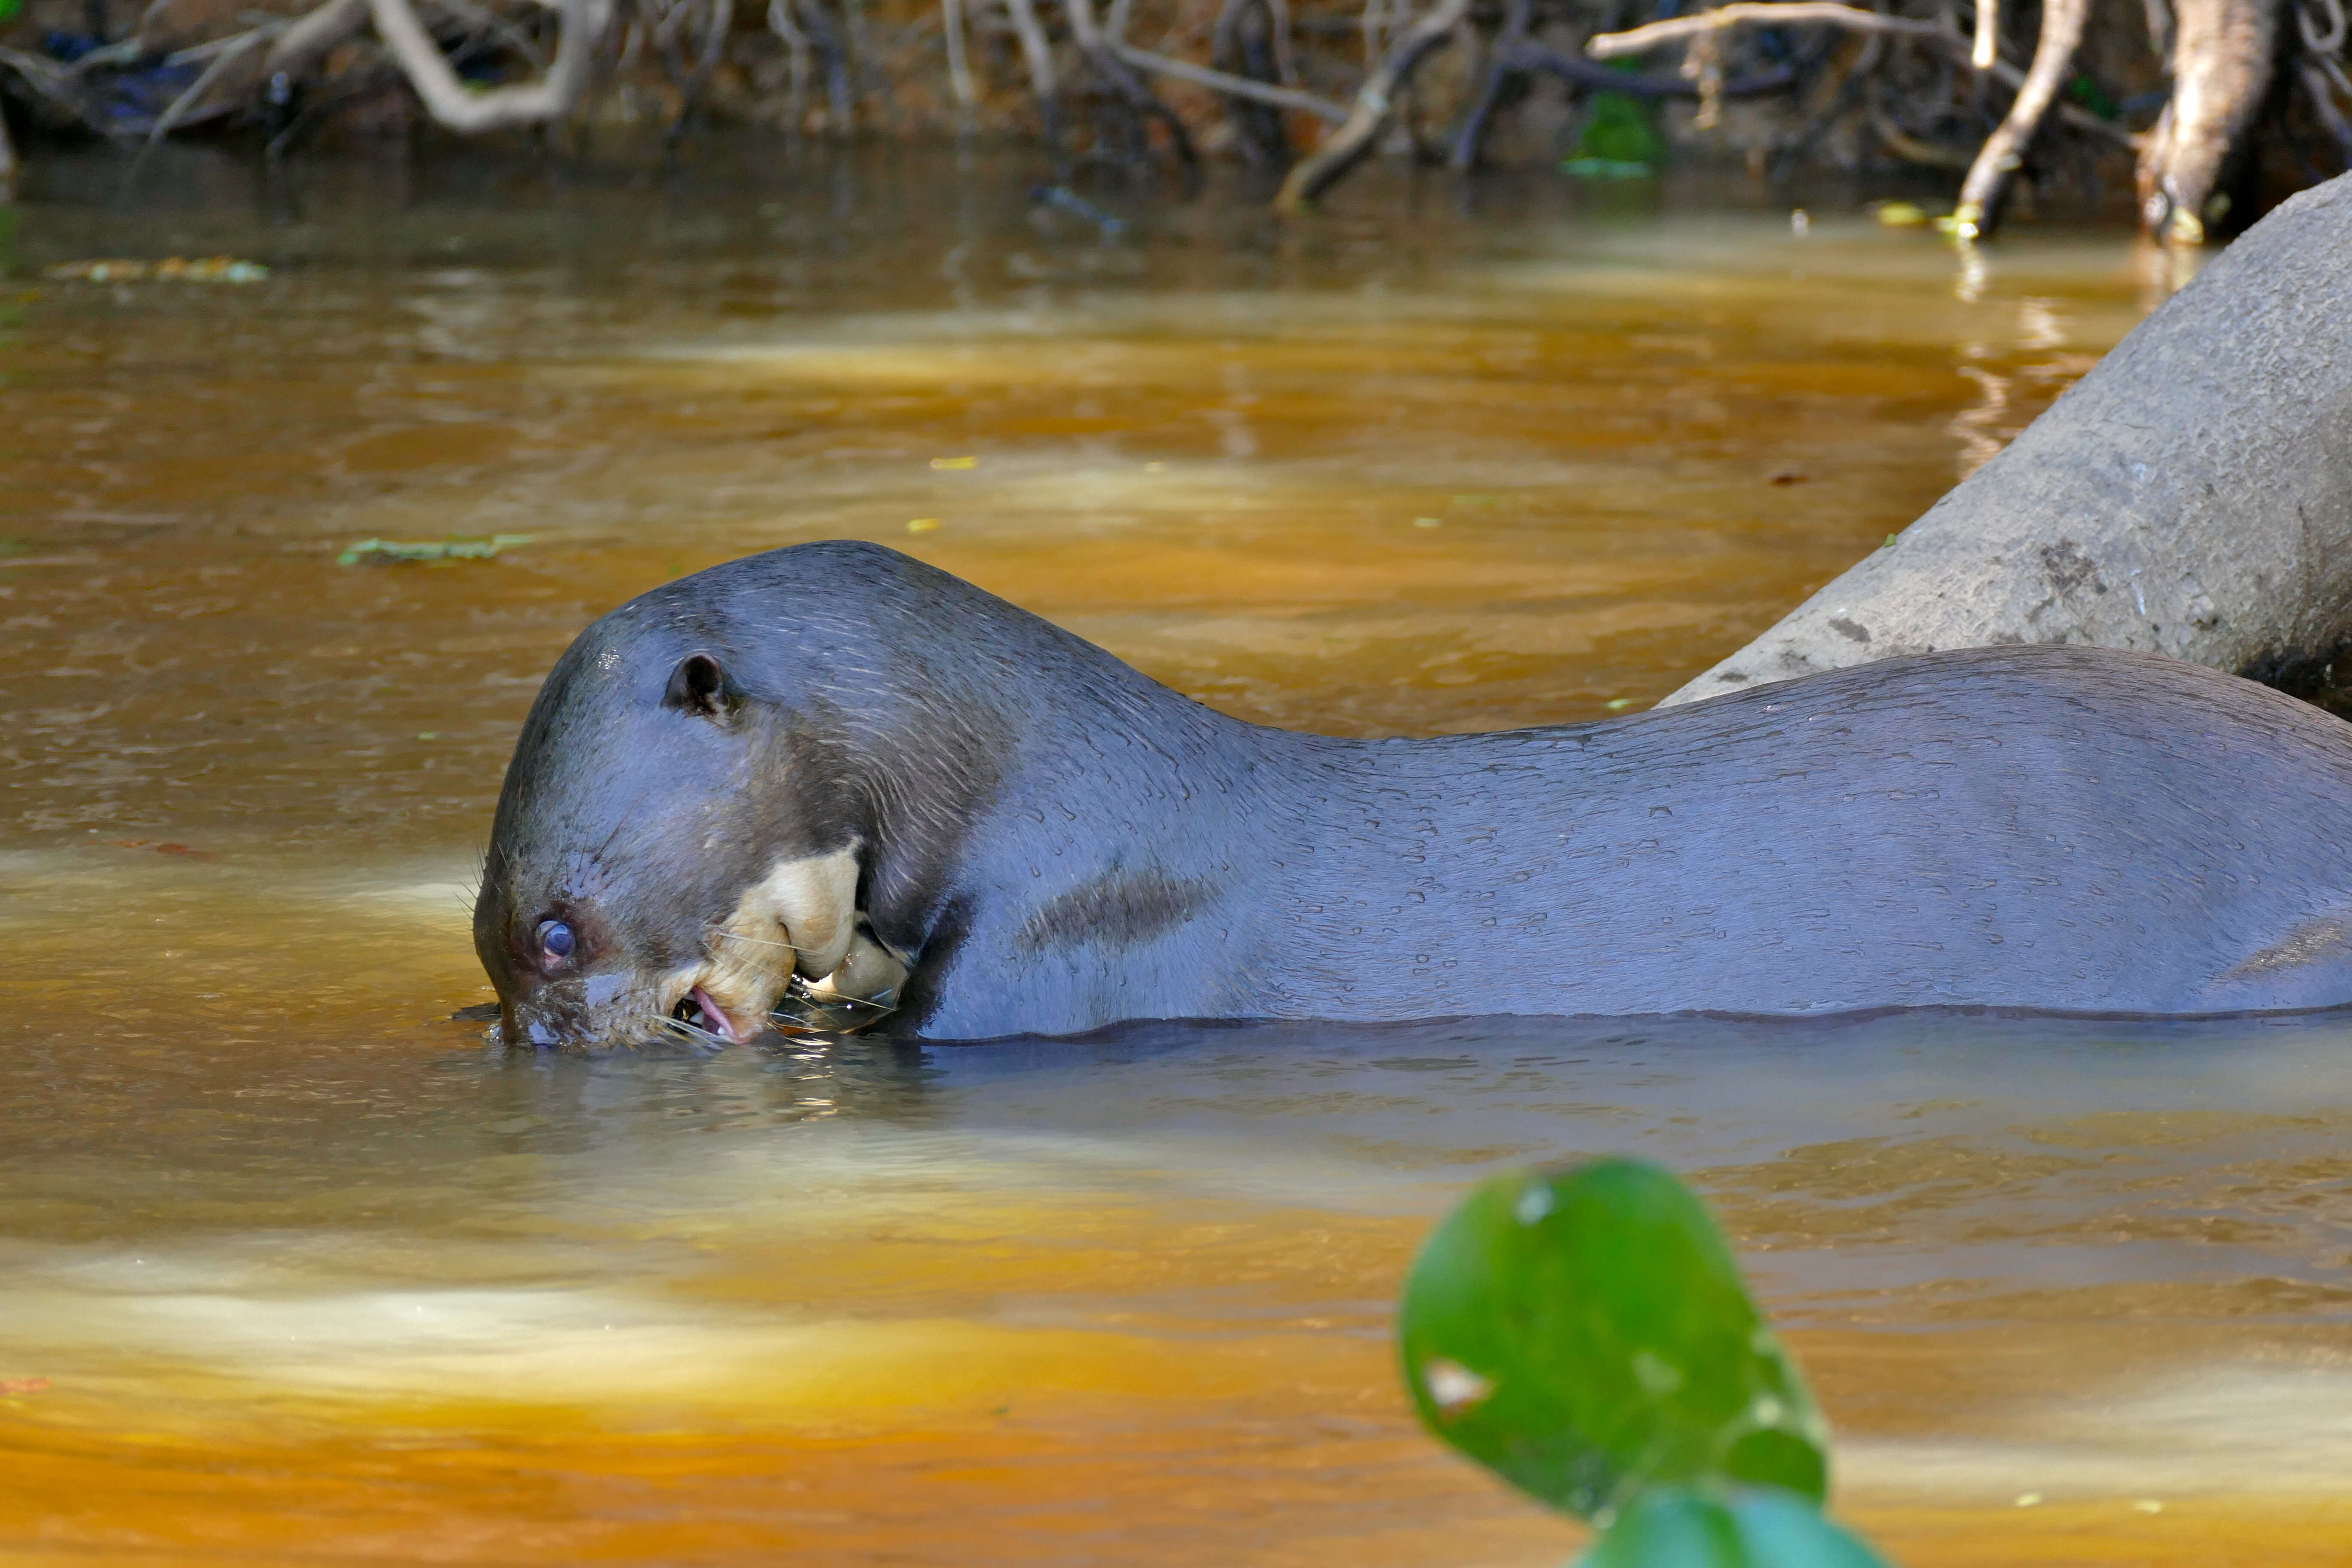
<point>861,990</point>
<point>823,1007</point>
<point>696,1010</point>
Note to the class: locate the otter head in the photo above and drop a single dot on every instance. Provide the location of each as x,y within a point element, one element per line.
<point>673,844</point>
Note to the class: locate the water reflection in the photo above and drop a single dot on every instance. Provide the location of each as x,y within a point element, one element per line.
<point>310,1271</point>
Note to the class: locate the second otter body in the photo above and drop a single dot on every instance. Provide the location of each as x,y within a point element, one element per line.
<point>834,750</point>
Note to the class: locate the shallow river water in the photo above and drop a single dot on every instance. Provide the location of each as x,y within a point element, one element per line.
<point>295,1270</point>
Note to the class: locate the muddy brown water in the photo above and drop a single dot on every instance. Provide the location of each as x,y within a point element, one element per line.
<point>294,1270</point>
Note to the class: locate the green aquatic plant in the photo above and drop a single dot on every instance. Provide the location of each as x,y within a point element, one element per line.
<point>1585,1334</point>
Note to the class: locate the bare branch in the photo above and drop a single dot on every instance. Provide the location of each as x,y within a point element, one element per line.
<point>1142,101</point>
<point>483,21</point>
<point>225,58</point>
<point>1040,57</point>
<point>47,81</point>
<point>1234,86</point>
<point>1780,12</point>
<point>1759,13</point>
<point>2004,150</point>
<point>1910,149</point>
<point>550,97</point>
<point>959,68</point>
<point>1375,101</point>
<point>796,45</point>
<point>308,40</point>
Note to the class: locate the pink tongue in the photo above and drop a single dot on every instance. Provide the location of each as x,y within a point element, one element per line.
<point>715,1018</point>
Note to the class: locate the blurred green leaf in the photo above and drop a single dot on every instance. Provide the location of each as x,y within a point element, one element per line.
<point>1618,130</point>
<point>2086,91</point>
<point>1585,1334</point>
<point>8,9</point>
<point>1676,1527</point>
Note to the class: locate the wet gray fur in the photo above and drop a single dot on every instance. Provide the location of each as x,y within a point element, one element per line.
<point>1061,843</point>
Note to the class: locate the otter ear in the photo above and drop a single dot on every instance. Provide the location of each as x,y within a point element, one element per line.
<point>702,686</point>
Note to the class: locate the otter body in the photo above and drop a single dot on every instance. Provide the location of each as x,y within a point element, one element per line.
<point>834,761</point>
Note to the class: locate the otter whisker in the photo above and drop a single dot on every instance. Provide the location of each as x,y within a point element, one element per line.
<point>692,1033</point>
<point>754,941</point>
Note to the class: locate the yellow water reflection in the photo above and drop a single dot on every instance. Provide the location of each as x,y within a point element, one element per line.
<point>293,1269</point>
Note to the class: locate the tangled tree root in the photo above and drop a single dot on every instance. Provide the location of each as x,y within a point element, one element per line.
<point>1929,84</point>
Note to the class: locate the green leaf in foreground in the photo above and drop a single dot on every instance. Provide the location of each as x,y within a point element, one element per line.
<point>1585,1334</point>
<point>1675,1528</point>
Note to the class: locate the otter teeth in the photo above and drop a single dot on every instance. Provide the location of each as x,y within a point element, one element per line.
<point>699,1011</point>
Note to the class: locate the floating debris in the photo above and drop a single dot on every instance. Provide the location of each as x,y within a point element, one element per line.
<point>12,1387</point>
<point>955,463</point>
<point>170,269</point>
<point>1428,523</point>
<point>383,552</point>
<point>922,525</point>
<point>1901,214</point>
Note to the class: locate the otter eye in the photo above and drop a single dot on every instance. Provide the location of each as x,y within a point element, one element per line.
<point>555,939</point>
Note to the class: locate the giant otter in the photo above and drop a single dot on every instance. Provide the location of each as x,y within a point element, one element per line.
<point>834,761</point>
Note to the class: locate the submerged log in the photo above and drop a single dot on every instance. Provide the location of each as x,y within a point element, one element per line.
<point>2189,496</point>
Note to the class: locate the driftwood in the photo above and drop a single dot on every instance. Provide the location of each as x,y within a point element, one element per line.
<point>2189,496</point>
